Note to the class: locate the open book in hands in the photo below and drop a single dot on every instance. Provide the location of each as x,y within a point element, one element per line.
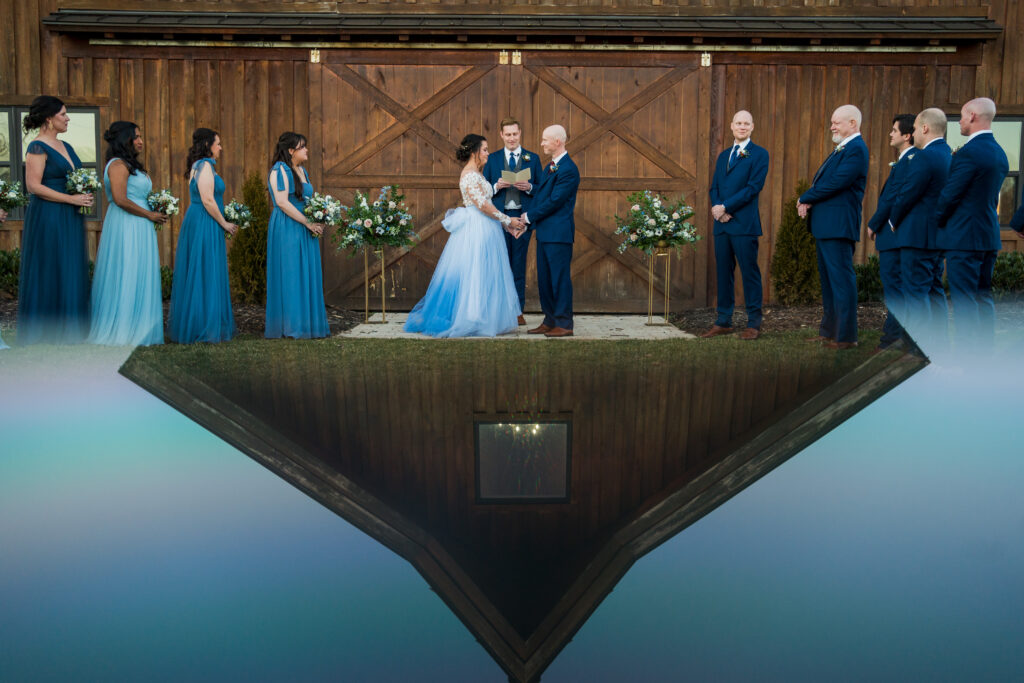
<point>513,177</point>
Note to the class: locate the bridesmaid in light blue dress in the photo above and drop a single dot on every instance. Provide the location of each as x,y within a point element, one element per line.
<point>471,293</point>
<point>295,283</point>
<point>126,307</point>
<point>53,284</point>
<point>3,217</point>
<point>200,294</point>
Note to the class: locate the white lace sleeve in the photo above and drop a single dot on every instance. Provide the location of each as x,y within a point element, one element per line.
<point>474,189</point>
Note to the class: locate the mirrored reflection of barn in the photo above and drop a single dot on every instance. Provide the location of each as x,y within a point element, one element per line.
<point>520,480</point>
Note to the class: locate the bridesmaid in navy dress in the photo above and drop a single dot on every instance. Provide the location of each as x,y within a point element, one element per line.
<point>53,287</point>
<point>295,284</point>
<point>200,295</point>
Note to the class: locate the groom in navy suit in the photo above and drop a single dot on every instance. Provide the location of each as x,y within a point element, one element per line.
<point>551,216</point>
<point>739,176</point>
<point>514,199</point>
<point>833,207</point>
<point>969,223</point>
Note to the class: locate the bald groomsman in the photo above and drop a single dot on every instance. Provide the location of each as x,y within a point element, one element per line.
<point>913,220</point>
<point>901,139</point>
<point>833,207</point>
<point>969,224</point>
<point>739,177</point>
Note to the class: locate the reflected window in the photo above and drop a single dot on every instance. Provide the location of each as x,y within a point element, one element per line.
<point>83,135</point>
<point>1008,133</point>
<point>523,462</point>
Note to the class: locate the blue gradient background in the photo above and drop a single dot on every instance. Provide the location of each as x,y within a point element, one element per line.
<point>136,545</point>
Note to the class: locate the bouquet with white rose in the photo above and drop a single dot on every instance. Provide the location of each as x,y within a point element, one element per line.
<point>83,181</point>
<point>385,222</point>
<point>11,196</point>
<point>238,213</point>
<point>324,209</point>
<point>654,222</point>
<point>162,202</point>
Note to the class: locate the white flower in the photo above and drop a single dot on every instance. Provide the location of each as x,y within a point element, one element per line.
<point>675,216</point>
<point>651,221</point>
<point>636,207</point>
<point>367,223</point>
<point>632,238</point>
<point>391,205</point>
<point>402,222</point>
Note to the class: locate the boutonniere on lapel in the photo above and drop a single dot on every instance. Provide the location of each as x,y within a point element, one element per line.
<point>526,157</point>
<point>839,148</point>
<point>956,150</point>
<point>552,167</point>
<point>892,163</point>
<point>743,153</point>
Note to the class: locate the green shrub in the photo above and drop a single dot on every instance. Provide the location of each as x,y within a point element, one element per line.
<point>1008,274</point>
<point>795,263</point>
<point>166,279</point>
<point>10,266</point>
<point>869,280</point>
<point>247,260</point>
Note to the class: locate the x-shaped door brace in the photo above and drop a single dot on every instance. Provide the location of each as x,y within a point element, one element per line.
<point>413,119</point>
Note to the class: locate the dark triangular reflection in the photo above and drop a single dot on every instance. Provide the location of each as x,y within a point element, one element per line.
<point>522,480</point>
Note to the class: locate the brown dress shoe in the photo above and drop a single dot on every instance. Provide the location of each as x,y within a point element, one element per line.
<point>840,346</point>
<point>750,333</point>
<point>540,329</point>
<point>522,320</point>
<point>715,331</point>
<point>558,332</point>
<point>819,338</point>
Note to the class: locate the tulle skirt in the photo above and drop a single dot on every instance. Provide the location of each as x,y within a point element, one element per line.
<point>472,293</point>
<point>126,306</point>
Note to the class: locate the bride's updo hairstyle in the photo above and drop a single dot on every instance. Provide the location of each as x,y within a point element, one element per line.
<point>41,109</point>
<point>469,146</point>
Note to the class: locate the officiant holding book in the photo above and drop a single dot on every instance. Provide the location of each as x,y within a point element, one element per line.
<point>513,173</point>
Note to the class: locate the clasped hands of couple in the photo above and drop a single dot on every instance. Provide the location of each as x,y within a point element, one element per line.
<point>516,227</point>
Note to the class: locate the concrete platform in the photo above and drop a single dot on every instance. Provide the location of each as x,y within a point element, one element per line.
<point>586,327</point>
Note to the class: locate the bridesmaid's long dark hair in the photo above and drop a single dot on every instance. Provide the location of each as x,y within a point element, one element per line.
<point>42,108</point>
<point>202,142</point>
<point>120,139</point>
<point>287,141</point>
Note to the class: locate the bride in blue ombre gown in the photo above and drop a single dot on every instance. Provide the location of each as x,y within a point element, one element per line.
<point>126,306</point>
<point>472,293</point>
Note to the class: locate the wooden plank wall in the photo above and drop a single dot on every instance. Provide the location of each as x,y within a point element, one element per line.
<point>251,95</point>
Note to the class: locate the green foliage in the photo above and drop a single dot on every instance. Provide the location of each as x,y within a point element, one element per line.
<point>1008,275</point>
<point>795,263</point>
<point>869,280</point>
<point>166,279</point>
<point>10,266</point>
<point>247,260</point>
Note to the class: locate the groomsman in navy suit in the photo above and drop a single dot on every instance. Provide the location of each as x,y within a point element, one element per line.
<point>551,216</point>
<point>913,220</point>
<point>969,223</point>
<point>833,207</point>
<point>514,199</point>
<point>739,176</point>
<point>901,138</point>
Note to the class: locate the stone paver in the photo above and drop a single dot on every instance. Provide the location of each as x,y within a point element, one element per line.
<point>586,327</point>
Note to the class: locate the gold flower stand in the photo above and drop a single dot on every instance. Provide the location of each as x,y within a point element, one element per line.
<point>661,251</point>
<point>366,287</point>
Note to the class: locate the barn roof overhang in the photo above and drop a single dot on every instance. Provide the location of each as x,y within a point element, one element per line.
<point>524,27</point>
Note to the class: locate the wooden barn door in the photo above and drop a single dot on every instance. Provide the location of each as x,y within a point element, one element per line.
<point>635,121</point>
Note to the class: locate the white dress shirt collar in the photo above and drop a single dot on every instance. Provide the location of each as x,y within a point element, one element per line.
<point>510,152</point>
<point>845,141</point>
<point>931,141</point>
<point>974,135</point>
<point>555,160</point>
<point>743,145</point>
<point>904,152</point>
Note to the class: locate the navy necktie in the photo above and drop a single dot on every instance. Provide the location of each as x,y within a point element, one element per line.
<point>732,154</point>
